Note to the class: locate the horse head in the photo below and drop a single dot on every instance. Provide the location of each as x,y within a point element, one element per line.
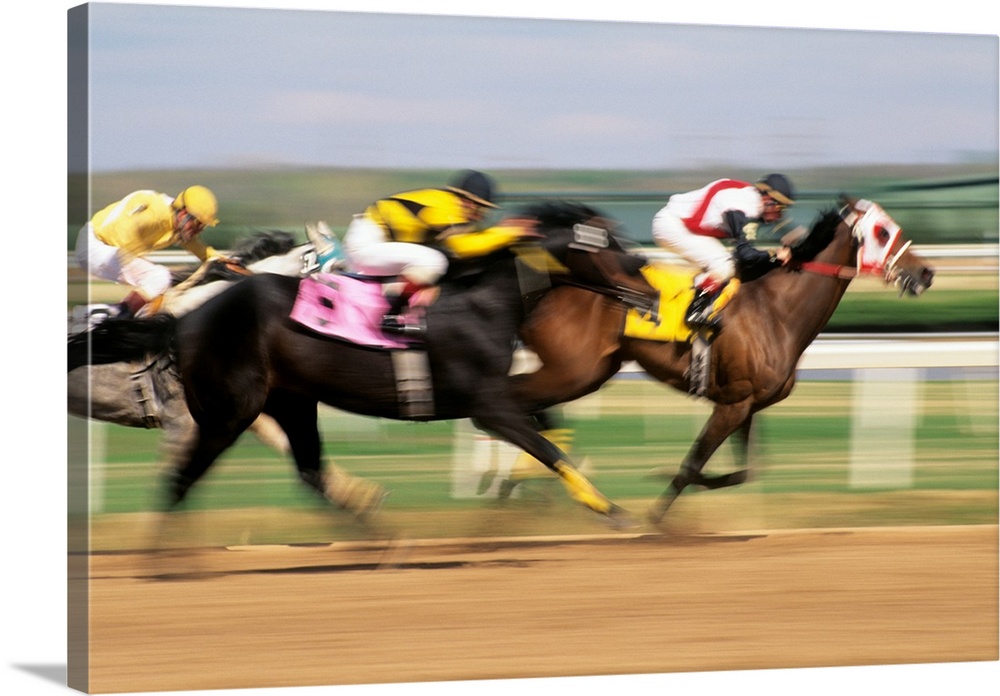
<point>255,254</point>
<point>273,251</point>
<point>587,250</point>
<point>882,249</point>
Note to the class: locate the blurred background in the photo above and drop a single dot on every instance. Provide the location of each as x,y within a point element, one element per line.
<point>914,441</point>
<point>294,117</point>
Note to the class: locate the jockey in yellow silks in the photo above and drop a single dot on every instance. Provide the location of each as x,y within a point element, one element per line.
<point>112,246</point>
<point>412,234</point>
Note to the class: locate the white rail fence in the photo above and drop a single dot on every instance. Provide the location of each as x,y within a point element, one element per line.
<point>886,376</point>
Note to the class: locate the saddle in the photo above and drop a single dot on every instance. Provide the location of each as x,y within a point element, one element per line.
<point>349,308</point>
<point>676,286</point>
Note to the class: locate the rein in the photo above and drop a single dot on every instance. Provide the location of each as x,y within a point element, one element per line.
<point>630,298</point>
<point>834,270</point>
<point>237,268</point>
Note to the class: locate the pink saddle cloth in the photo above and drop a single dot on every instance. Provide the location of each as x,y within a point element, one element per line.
<point>346,308</point>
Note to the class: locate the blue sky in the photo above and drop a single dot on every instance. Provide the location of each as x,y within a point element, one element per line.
<point>178,86</point>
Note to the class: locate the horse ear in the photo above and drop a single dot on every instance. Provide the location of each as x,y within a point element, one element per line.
<point>319,234</point>
<point>847,200</point>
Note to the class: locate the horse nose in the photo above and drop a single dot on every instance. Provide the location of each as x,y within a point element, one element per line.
<point>927,277</point>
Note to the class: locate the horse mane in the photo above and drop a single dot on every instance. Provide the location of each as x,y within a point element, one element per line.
<point>259,246</point>
<point>263,245</point>
<point>819,237</point>
<point>559,213</point>
<point>121,340</point>
<point>549,214</point>
<point>563,213</point>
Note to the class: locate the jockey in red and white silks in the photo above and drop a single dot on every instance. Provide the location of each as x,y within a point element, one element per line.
<point>693,225</point>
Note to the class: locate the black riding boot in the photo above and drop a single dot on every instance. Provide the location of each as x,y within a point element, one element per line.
<point>394,323</point>
<point>130,305</point>
<point>697,316</point>
<point>122,310</point>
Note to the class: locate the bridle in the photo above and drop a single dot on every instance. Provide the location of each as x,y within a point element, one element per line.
<point>868,224</point>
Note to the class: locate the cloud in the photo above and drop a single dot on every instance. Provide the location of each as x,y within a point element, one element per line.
<point>308,84</point>
<point>338,108</point>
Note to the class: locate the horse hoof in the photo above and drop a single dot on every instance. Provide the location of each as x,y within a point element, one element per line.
<point>485,481</point>
<point>620,518</point>
<point>655,515</point>
<point>365,506</point>
<point>506,489</point>
<point>376,505</point>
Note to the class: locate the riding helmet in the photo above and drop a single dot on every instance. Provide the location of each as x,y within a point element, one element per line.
<point>778,187</point>
<point>475,186</point>
<point>201,203</point>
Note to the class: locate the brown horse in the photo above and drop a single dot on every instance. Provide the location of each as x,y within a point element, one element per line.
<point>579,339</point>
<point>240,354</point>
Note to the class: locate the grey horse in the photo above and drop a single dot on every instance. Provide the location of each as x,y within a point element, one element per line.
<point>148,394</point>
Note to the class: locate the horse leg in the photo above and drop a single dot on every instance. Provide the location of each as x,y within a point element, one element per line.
<point>742,447</point>
<point>270,433</point>
<point>517,429</point>
<point>733,478</point>
<point>724,421</point>
<point>527,468</point>
<point>208,444</point>
<point>575,361</point>
<point>297,417</point>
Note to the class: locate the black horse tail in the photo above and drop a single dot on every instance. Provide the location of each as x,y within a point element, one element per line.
<point>122,340</point>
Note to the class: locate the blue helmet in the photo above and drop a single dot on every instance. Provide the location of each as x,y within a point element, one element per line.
<point>778,187</point>
<point>475,186</point>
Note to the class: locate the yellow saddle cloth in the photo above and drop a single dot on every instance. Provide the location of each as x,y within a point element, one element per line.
<point>676,286</point>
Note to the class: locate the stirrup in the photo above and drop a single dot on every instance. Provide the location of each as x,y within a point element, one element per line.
<point>702,320</point>
<point>395,324</point>
<point>699,314</point>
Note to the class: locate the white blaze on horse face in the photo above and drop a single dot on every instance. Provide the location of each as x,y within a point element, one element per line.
<point>878,234</point>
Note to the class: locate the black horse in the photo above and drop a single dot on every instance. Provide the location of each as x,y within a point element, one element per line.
<point>149,394</point>
<point>240,355</point>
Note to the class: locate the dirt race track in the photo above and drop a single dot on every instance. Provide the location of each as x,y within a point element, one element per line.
<point>448,610</point>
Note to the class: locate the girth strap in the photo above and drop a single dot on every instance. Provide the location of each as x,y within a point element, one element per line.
<point>698,371</point>
<point>413,383</point>
<point>145,394</point>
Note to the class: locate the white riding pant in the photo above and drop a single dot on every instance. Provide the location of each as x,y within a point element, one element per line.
<point>109,263</point>
<point>371,252</point>
<point>707,253</point>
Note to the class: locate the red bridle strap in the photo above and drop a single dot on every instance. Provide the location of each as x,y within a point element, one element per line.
<point>833,270</point>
